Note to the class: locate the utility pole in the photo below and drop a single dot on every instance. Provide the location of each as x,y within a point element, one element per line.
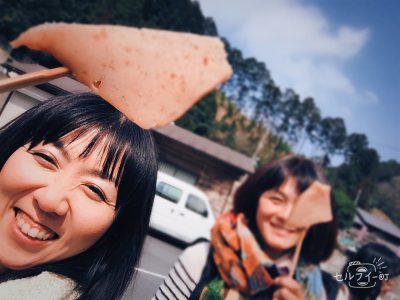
<point>358,197</point>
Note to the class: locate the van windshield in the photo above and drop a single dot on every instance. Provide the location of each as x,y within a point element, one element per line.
<point>168,192</point>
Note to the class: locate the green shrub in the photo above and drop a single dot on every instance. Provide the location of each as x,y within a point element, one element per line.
<point>345,209</point>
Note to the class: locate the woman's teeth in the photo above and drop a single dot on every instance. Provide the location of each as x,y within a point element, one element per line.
<point>33,232</point>
<point>278,227</point>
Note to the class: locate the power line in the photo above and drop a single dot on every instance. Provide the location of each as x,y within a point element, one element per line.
<point>390,147</point>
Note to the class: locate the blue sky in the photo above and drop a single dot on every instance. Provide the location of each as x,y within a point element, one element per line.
<point>343,53</point>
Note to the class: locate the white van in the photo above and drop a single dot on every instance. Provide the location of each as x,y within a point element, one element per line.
<point>181,210</point>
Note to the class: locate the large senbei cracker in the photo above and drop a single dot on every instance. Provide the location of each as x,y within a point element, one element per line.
<point>312,207</point>
<point>152,76</point>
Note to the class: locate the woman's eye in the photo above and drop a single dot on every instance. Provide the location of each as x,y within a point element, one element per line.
<point>277,200</point>
<point>97,191</point>
<point>44,158</point>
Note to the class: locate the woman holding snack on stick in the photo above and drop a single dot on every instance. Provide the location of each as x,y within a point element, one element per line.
<point>77,174</point>
<point>253,248</point>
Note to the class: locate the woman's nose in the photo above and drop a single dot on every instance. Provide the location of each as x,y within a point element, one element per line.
<point>52,199</point>
<point>285,211</point>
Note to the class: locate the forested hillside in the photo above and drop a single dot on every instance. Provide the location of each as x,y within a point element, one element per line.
<point>249,113</point>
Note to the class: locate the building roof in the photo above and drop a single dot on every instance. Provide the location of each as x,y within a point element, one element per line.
<point>225,154</point>
<point>184,136</point>
<point>378,223</point>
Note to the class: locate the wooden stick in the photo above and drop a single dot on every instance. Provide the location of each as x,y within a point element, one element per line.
<point>297,251</point>
<point>34,78</point>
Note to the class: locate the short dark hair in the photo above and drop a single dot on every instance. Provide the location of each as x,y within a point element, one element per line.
<point>320,240</point>
<point>104,270</point>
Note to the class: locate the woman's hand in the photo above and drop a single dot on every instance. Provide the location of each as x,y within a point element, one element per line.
<point>289,289</point>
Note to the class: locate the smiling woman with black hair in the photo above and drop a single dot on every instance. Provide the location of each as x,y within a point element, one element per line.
<point>251,248</point>
<point>77,182</point>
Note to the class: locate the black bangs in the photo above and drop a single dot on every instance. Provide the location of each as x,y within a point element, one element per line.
<point>304,171</point>
<point>113,150</point>
<point>67,122</point>
<point>128,157</point>
<point>116,151</point>
<point>64,119</point>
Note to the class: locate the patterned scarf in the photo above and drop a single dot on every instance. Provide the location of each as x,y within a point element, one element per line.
<point>246,271</point>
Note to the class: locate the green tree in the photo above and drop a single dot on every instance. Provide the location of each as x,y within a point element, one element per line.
<point>388,170</point>
<point>355,144</point>
<point>249,80</point>
<point>360,170</point>
<point>387,193</point>
<point>332,135</point>
<point>268,108</point>
<point>292,120</point>
<point>200,119</point>
<point>312,119</point>
<point>345,209</point>
<point>387,196</point>
<point>178,15</point>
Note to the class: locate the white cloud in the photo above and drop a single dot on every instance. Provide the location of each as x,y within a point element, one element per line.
<point>300,46</point>
<point>371,97</point>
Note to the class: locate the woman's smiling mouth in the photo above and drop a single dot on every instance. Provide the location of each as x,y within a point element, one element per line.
<point>32,229</point>
<point>281,230</point>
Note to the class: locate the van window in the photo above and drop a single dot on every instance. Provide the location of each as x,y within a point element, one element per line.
<point>196,205</point>
<point>168,192</point>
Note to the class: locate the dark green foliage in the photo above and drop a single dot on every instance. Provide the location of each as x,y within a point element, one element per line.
<point>178,15</point>
<point>345,209</point>
<point>19,15</point>
<point>200,118</point>
<point>247,85</point>
<point>363,176</point>
<point>332,135</point>
<point>388,170</point>
<point>358,175</point>
<point>387,193</point>
<point>387,198</point>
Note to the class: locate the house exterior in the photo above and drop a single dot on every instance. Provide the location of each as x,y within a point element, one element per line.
<point>382,231</point>
<point>215,169</point>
